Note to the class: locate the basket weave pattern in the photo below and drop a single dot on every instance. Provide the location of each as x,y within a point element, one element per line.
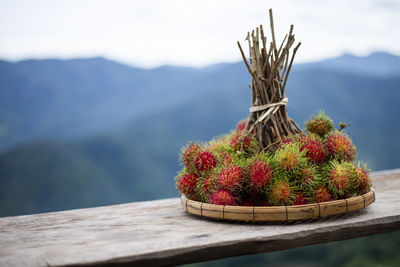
<point>278,213</point>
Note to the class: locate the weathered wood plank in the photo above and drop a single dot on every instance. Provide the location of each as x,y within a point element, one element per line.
<point>161,233</point>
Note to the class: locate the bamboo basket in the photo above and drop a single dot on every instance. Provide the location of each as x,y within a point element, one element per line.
<point>278,213</point>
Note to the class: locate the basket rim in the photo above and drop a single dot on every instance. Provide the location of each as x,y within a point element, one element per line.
<point>278,213</point>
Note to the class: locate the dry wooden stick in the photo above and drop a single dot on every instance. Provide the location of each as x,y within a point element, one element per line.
<point>269,68</point>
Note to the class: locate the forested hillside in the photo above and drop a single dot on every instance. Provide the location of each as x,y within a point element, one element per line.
<point>91,132</point>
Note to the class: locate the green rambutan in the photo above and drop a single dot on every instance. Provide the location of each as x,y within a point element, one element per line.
<point>279,193</point>
<point>322,194</point>
<point>231,178</point>
<point>339,177</point>
<point>290,158</point>
<point>205,161</point>
<point>187,183</point>
<point>222,197</point>
<point>307,176</point>
<point>340,146</point>
<point>210,184</point>
<point>260,174</point>
<point>314,148</point>
<point>189,154</point>
<point>319,124</point>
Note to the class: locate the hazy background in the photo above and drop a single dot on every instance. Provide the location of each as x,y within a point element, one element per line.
<point>98,97</point>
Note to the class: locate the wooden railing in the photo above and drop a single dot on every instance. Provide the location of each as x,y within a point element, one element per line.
<point>161,233</point>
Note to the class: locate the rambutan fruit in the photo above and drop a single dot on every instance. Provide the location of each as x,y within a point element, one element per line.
<point>206,186</point>
<point>231,178</point>
<point>241,125</point>
<point>227,159</point>
<point>285,141</point>
<point>322,194</point>
<point>362,181</point>
<point>205,161</point>
<point>223,197</point>
<point>314,148</point>
<point>340,146</point>
<point>224,157</point>
<point>218,144</point>
<point>288,140</point>
<point>240,142</point>
<point>279,193</point>
<point>187,183</point>
<point>307,175</point>
<point>289,157</point>
<point>260,174</point>
<point>339,177</point>
<point>299,199</point>
<point>319,124</point>
<point>189,154</point>
<point>210,184</point>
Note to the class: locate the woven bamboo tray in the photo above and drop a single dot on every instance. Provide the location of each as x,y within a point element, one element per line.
<point>278,213</point>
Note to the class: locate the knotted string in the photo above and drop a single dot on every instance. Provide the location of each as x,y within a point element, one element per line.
<point>271,108</point>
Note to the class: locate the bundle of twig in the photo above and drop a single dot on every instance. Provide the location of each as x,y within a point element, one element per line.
<point>269,69</point>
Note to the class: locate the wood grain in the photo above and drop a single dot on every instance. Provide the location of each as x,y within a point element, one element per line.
<point>162,233</point>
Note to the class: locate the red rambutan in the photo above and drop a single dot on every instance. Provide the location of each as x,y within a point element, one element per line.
<point>222,197</point>
<point>231,178</point>
<point>205,161</point>
<point>280,193</point>
<point>241,125</point>
<point>299,199</point>
<point>314,148</point>
<point>190,154</point>
<point>340,146</point>
<point>322,194</point>
<point>260,173</point>
<point>187,183</point>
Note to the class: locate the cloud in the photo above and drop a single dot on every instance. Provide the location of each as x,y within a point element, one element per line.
<point>196,33</point>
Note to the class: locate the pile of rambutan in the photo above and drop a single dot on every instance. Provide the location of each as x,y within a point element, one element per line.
<point>315,166</point>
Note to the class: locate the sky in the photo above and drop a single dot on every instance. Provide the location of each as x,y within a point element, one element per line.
<point>191,33</point>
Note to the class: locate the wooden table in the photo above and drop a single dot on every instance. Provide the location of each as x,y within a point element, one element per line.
<point>161,233</point>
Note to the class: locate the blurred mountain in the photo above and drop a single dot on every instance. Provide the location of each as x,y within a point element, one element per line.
<point>379,64</point>
<point>108,133</point>
<point>56,99</point>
